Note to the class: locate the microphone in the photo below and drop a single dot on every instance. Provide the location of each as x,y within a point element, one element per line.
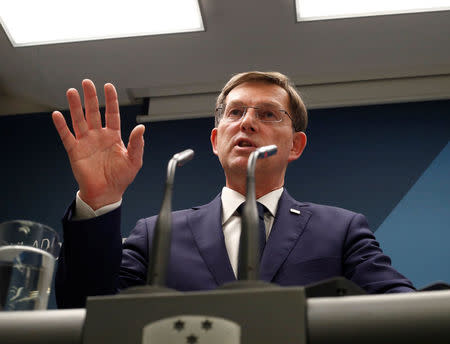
<point>159,257</point>
<point>156,274</point>
<point>249,250</point>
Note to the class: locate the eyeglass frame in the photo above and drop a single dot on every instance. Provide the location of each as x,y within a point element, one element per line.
<point>223,106</point>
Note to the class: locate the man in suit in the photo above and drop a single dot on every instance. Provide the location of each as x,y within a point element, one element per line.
<point>305,242</point>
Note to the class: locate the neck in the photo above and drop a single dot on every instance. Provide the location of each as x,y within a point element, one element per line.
<point>262,184</point>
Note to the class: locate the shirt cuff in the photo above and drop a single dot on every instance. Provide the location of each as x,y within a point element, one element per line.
<point>84,212</point>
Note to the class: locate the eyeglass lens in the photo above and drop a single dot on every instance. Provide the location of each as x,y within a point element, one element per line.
<point>263,113</point>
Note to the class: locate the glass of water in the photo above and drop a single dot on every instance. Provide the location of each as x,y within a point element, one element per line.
<point>27,258</point>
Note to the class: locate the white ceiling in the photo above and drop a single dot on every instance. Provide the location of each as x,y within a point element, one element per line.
<point>336,62</point>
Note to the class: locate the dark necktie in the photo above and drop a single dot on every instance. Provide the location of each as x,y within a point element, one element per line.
<point>262,227</point>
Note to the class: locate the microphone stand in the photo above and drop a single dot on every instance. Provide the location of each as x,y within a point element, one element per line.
<point>159,259</point>
<point>249,250</point>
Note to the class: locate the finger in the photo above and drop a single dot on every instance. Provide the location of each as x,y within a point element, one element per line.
<point>112,116</point>
<point>93,116</point>
<point>66,136</point>
<point>76,112</point>
<point>136,144</point>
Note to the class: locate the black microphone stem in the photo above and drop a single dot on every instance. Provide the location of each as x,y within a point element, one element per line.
<point>249,250</point>
<point>159,261</point>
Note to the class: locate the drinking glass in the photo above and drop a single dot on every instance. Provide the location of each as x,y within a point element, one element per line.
<point>28,251</point>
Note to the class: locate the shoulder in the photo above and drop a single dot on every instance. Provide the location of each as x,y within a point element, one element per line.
<point>327,209</point>
<point>315,208</point>
<point>326,215</point>
<point>180,215</point>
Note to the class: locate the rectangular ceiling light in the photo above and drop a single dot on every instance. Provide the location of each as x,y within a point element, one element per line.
<point>56,21</point>
<point>330,9</point>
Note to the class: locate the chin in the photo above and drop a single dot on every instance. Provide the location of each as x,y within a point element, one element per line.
<point>238,166</point>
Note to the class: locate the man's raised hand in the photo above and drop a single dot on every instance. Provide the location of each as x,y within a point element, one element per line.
<point>101,164</point>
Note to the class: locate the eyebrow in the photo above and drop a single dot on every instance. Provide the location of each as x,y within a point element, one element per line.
<point>241,103</point>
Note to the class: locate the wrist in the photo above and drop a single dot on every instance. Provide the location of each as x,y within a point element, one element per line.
<point>100,201</point>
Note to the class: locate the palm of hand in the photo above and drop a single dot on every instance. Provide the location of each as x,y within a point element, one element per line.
<point>101,164</point>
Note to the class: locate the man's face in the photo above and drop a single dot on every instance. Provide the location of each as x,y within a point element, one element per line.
<point>233,141</point>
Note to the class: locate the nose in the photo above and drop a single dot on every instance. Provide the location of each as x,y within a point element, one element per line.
<point>249,120</point>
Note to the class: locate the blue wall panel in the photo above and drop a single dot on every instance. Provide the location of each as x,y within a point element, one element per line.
<point>416,235</point>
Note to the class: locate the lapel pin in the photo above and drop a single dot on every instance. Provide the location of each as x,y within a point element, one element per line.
<point>295,211</point>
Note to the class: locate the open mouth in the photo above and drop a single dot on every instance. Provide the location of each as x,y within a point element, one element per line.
<point>245,143</point>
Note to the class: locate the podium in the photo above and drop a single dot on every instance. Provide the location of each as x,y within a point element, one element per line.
<point>254,310</point>
<point>413,318</point>
<point>265,313</point>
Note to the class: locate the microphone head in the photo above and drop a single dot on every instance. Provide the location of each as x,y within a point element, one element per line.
<point>183,157</point>
<point>266,151</point>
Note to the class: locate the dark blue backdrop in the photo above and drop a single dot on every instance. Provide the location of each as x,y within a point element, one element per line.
<point>390,162</point>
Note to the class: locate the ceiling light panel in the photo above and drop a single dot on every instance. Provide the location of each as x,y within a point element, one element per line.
<point>329,9</point>
<point>56,21</point>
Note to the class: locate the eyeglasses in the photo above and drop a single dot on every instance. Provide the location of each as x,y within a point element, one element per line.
<point>264,113</point>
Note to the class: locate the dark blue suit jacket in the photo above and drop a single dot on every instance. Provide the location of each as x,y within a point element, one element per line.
<point>319,243</point>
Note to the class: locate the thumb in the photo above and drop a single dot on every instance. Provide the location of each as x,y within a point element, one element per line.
<point>136,144</point>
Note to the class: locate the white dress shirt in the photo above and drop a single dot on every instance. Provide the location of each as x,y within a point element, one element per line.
<point>231,221</point>
<point>83,211</point>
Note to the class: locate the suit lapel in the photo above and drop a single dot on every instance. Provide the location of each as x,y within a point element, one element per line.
<point>288,226</point>
<point>205,224</point>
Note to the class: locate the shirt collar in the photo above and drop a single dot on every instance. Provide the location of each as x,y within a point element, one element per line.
<point>231,200</point>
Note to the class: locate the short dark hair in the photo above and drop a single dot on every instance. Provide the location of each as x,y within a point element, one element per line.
<point>297,107</point>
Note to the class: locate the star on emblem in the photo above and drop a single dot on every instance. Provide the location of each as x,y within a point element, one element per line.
<point>206,325</point>
<point>191,339</point>
<point>178,325</point>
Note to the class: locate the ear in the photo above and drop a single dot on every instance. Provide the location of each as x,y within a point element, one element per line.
<point>298,145</point>
<point>213,139</point>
